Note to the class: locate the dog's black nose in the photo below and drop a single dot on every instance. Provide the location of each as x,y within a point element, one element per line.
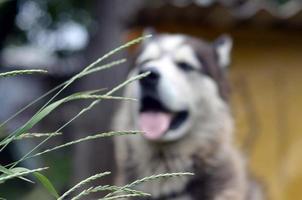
<point>150,80</point>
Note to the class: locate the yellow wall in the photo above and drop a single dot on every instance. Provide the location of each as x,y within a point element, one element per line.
<point>267,99</point>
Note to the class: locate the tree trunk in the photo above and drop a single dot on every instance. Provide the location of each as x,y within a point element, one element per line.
<point>97,156</point>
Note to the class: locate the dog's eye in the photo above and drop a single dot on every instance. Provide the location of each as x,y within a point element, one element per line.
<point>185,66</point>
<point>145,61</point>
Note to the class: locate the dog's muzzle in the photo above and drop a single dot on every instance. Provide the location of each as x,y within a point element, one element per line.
<point>155,119</point>
<point>151,81</point>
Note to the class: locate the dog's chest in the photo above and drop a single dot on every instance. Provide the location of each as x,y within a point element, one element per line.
<point>199,186</point>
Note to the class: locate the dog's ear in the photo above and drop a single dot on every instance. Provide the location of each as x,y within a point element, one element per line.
<point>223,46</point>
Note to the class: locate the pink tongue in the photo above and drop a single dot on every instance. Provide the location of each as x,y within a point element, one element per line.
<point>154,124</point>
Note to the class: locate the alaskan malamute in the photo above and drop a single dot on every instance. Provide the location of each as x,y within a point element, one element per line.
<point>184,113</point>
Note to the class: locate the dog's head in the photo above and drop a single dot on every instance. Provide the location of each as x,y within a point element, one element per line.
<point>185,85</point>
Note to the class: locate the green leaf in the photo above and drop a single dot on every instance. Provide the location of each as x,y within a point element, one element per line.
<point>4,170</point>
<point>46,184</point>
<point>12,171</point>
<point>19,173</point>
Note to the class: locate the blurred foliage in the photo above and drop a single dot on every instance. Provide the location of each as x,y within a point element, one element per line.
<point>27,21</point>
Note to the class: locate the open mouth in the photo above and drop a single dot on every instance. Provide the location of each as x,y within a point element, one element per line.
<point>155,119</point>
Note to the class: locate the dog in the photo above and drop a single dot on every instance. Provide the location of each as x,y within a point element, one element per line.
<point>184,113</point>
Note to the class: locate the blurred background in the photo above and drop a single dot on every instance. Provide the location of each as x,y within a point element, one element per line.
<point>65,36</point>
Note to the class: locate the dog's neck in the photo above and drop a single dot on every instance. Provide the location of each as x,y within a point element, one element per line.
<point>148,158</point>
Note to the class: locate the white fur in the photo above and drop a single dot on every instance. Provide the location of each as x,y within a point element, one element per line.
<point>186,53</point>
<point>152,51</point>
<point>169,43</point>
<point>224,51</point>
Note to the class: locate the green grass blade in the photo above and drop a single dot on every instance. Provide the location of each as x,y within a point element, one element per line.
<point>106,66</point>
<point>96,63</point>
<point>38,117</point>
<point>22,72</point>
<point>114,51</point>
<point>41,115</point>
<point>46,184</point>
<point>123,196</point>
<point>127,82</point>
<point>26,156</point>
<point>33,121</point>
<point>85,110</point>
<point>4,178</point>
<point>153,177</point>
<point>89,96</point>
<point>31,103</point>
<point>36,135</point>
<point>96,69</point>
<point>91,137</point>
<point>6,171</point>
<point>83,182</point>
<point>108,188</point>
<point>150,178</point>
<point>84,72</point>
